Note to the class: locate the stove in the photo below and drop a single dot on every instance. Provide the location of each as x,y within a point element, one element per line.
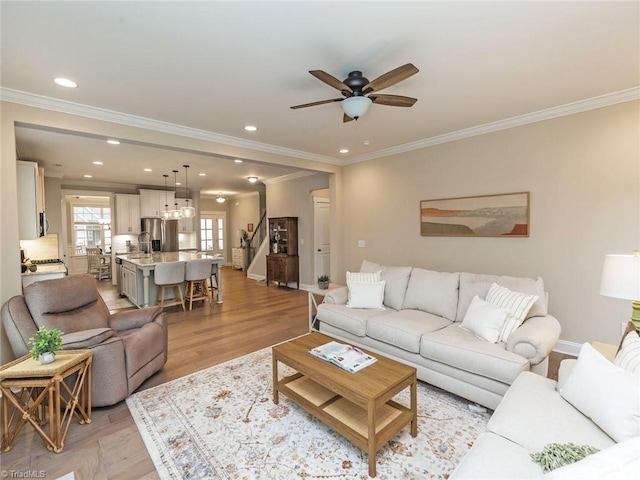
<point>46,261</point>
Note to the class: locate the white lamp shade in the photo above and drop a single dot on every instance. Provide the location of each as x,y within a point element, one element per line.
<point>621,277</point>
<point>355,107</point>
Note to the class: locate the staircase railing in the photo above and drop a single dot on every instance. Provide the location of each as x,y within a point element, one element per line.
<point>259,234</point>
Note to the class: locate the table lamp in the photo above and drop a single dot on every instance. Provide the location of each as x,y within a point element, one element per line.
<point>621,279</point>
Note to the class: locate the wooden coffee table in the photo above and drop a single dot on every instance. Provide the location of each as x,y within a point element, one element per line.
<point>359,405</point>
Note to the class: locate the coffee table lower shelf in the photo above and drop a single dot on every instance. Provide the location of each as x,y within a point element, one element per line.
<point>347,418</point>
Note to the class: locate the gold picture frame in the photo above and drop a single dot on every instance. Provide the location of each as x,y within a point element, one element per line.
<point>501,215</point>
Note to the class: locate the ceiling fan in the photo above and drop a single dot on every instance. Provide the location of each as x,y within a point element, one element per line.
<point>359,93</point>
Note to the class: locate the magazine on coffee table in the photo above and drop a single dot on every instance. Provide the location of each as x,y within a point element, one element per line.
<point>351,359</point>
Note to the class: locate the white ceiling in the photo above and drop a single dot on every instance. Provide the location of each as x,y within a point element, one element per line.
<point>218,66</point>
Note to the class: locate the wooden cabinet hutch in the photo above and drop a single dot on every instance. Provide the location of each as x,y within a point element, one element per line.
<point>282,260</point>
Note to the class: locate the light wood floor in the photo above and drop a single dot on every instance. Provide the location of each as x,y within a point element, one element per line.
<point>252,317</point>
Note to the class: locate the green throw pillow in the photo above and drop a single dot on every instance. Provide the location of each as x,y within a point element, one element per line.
<point>556,455</point>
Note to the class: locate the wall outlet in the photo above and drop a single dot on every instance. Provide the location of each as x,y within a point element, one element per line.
<point>361,244</point>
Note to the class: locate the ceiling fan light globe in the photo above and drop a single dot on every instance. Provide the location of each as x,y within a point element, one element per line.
<point>355,106</point>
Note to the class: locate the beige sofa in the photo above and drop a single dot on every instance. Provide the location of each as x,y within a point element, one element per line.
<point>420,325</point>
<point>128,346</point>
<point>535,413</point>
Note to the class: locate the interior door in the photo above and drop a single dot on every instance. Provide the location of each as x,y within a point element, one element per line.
<point>213,233</point>
<point>321,237</point>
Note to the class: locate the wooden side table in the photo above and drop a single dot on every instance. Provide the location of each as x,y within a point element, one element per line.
<point>34,389</point>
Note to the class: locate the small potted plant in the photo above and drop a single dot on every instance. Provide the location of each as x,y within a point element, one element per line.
<point>45,343</point>
<point>323,282</point>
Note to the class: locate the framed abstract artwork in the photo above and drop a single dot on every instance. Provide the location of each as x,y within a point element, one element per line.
<point>503,215</point>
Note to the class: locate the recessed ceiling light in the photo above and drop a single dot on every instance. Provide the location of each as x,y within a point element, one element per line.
<point>88,176</point>
<point>98,163</point>
<point>237,160</point>
<point>202,174</point>
<point>252,179</point>
<point>344,150</point>
<point>366,143</point>
<point>113,142</point>
<point>178,183</point>
<point>65,82</point>
<point>148,170</point>
<point>250,128</point>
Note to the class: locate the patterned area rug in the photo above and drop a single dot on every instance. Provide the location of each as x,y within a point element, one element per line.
<point>221,423</point>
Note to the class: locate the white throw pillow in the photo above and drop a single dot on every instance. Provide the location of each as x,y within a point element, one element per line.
<point>606,393</point>
<point>484,319</point>
<point>366,295</point>
<point>629,355</point>
<point>516,303</point>
<point>618,462</point>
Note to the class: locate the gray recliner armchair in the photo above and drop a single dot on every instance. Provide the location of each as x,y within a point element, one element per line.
<point>128,346</point>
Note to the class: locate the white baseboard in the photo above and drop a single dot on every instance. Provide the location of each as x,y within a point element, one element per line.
<point>568,348</point>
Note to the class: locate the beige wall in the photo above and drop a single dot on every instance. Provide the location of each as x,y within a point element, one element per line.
<point>244,209</point>
<point>583,172</point>
<point>293,198</point>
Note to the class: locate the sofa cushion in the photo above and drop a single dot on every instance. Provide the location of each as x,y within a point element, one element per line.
<point>485,319</point>
<point>364,277</point>
<point>396,279</point>
<point>617,462</point>
<point>404,329</point>
<point>533,415</point>
<point>472,284</point>
<point>496,458</point>
<point>69,304</point>
<point>432,292</point>
<point>461,349</point>
<point>606,393</point>
<point>352,320</point>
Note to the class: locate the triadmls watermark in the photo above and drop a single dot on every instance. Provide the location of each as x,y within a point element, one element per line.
<point>23,474</point>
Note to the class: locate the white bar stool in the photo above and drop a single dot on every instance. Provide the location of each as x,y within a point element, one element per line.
<point>197,276</point>
<point>171,274</point>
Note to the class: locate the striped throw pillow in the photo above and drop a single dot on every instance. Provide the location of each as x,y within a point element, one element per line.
<point>364,277</point>
<point>629,355</point>
<point>516,303</point>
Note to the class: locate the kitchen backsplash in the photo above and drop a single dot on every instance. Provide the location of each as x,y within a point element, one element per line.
<point>44,248</point>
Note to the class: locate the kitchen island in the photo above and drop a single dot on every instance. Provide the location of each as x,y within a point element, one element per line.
<point>137,274</point>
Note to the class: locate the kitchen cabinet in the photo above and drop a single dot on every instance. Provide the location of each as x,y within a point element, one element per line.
<point>152,202</point>
<point>30,180</point>
<point>186,225</point>
<point>130,281</point>
<point>127,214</point>
<point>283,264</point>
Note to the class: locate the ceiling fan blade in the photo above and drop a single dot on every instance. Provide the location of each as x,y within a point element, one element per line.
<point>330,80</point>
<point>391,78</point>
<point>393,100</point>
<point>313,104</point>
<point>346,118</point>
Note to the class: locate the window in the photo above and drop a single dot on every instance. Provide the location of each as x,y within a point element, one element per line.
<point>220,227</point>
<point>91,227</point>
<point>206,234</point>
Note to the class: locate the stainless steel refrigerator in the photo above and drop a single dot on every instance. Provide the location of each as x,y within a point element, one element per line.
<point>163,234</point>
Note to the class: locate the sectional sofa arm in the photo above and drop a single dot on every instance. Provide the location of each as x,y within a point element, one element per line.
<point>535,338</point>
<point>130,319</point>
<point>338,296</point>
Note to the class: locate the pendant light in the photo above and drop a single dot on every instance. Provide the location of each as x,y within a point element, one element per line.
<point>221,198</point>
<point>175,213</point>
<point>166,213</point>
<point>187,211</point>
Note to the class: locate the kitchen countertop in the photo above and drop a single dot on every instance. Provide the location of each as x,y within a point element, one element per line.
<point>47,268</point>
<point>147,260</point>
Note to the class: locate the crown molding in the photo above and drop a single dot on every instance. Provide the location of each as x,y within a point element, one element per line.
<point>96,113</point>
<point>47,103</point>
<point>606,100</point>
<point>291,176</point>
